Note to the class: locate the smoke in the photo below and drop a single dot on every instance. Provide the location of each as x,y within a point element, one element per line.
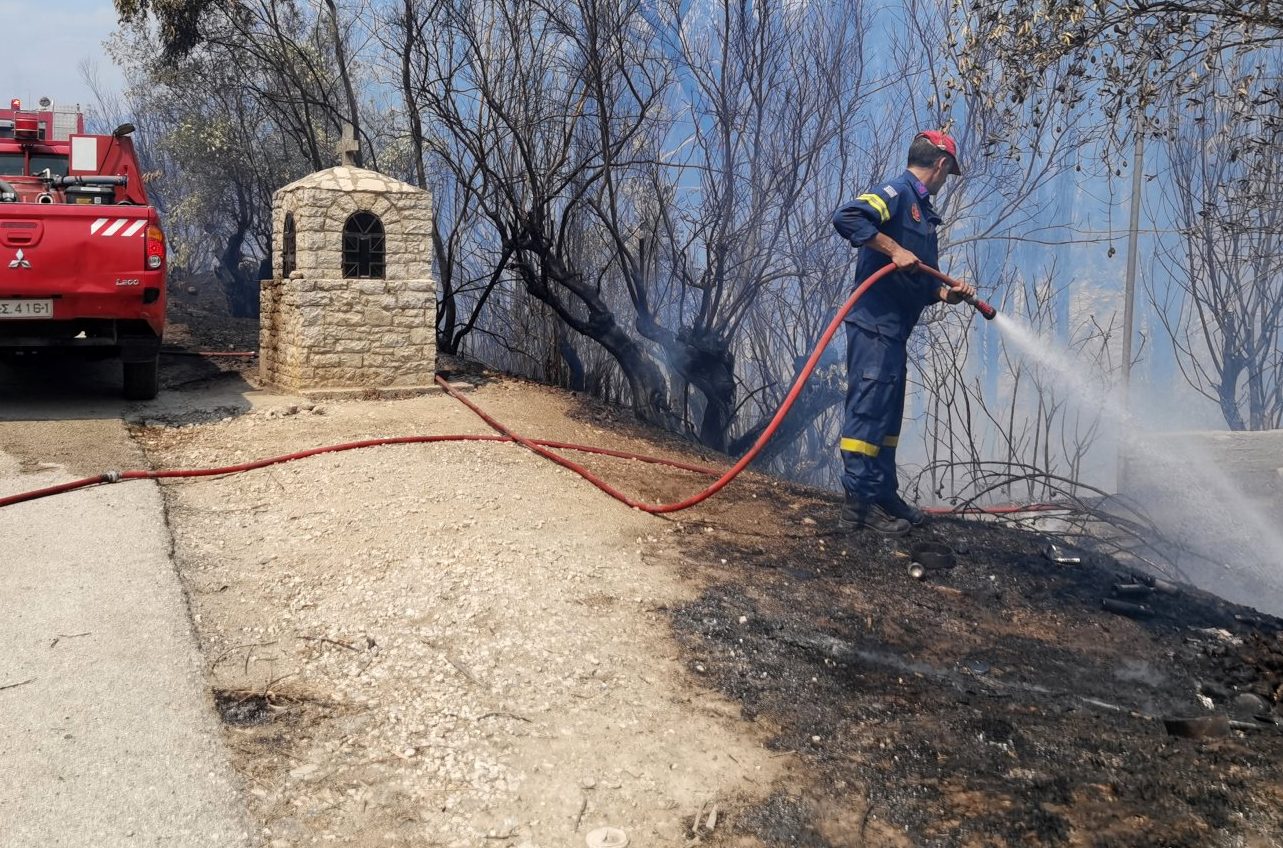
<point>1224,541</point>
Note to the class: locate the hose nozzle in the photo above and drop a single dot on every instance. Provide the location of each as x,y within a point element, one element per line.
<point>983,308</point>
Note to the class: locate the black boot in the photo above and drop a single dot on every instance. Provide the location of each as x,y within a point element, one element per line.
<point>858,514</point>
<point>900,508</point>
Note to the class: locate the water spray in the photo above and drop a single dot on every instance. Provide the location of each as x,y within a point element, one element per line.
<point>1226,542</point>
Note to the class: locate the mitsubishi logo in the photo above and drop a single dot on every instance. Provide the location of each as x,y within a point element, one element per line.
<point>20,261</point>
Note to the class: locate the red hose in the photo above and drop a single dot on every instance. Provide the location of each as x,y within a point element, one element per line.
<point>117,476</point>
<point>734,471</point>
<point>55,490</point>
<point>540,446</point>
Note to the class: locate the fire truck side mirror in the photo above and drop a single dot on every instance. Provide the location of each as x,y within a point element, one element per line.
<point>122,130</point>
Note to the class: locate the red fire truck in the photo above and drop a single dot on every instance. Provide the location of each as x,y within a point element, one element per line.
<point>82,253</point>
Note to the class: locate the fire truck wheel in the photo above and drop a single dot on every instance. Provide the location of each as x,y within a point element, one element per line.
<point>142,379</point>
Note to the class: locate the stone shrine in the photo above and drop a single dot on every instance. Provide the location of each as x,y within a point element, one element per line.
<point>351,304</point>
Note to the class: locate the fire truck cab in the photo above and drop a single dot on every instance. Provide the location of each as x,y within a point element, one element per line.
<point>82,253</point>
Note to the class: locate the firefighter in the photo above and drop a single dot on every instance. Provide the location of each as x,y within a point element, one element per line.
<point>892,222</point>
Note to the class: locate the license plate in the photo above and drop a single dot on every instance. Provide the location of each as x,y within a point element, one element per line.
<point>26,308</point>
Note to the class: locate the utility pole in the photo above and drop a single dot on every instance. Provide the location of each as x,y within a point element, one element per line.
<point>1129,296</point>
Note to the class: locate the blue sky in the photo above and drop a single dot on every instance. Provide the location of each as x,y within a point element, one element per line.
<point>45,44</point>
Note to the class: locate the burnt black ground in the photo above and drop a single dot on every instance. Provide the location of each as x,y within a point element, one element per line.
<point>994,704</point>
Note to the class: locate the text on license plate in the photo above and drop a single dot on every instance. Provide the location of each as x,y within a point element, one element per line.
<point>26,308</point>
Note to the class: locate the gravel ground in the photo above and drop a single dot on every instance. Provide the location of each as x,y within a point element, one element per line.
<point>455,644</point>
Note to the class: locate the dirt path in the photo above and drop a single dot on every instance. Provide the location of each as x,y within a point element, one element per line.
<point>447,645</point>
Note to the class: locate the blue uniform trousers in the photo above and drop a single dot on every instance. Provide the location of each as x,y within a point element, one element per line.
<point>877,371</point>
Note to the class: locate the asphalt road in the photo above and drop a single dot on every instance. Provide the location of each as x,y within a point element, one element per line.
<point>108,735</point>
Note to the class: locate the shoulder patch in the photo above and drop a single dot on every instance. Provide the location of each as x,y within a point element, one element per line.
<point>889,191</point>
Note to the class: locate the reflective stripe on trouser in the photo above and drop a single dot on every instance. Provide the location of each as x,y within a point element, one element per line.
<point>876,375</point>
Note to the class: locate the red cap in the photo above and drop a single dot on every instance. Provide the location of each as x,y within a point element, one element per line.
<point>945,143</point>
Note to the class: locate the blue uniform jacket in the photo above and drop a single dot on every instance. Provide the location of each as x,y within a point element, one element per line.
<point>900,208</point>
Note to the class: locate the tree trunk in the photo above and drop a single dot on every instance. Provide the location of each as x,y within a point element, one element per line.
<point>340,56</point>
<point>242,294</point>
<point>575,376</point>
<point>1227,392</point>
<point>536,266</point>
<point>447,311</point>
<point>704,360</point>
<point>407,92</point>
<point>825,390</point>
